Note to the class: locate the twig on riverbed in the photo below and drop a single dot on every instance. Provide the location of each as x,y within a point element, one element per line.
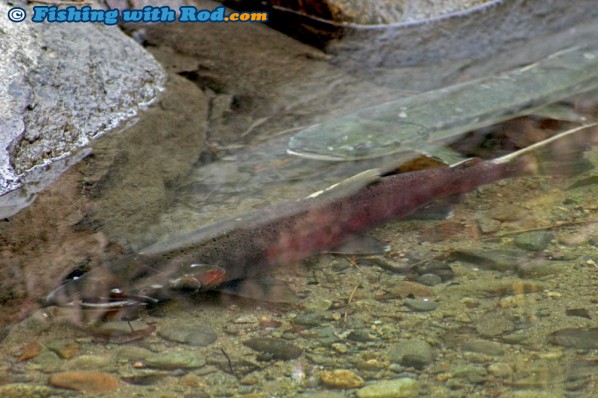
<point>544,228</point>
<point>256,123</point>
<point>230,364</point>
<point>346,316</point>
<point>283,132</point>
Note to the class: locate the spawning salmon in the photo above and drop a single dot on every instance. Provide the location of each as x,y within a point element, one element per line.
<point>254,243</point>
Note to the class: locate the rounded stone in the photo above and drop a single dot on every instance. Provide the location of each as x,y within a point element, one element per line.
<point>501,370</point>
<point>133,353</point>
<point>412,353</point>
<point>85,381</point>
<point>429,279</point>
<point>175,360</point>
<point>483,347</point>
<point>533,241</point>
<point>421,305</point>
<point>22,390</point>
<point>474,374</point>
<point>341,378</point>
<point>274,348</point>
<point>88,362</point>
<point>398,388</point>
<point>200,336</point>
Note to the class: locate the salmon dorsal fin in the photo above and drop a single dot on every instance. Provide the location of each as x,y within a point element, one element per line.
<point>466,163</point>
<point>349,185</point>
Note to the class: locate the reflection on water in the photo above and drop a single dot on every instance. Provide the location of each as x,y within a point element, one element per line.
<point>499,299</point>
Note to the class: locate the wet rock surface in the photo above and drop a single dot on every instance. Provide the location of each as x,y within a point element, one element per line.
<point>409,33</point>
<point>200,335</point>
<point>274,348</point>
<point>378,12</point>
<point>61,87</point>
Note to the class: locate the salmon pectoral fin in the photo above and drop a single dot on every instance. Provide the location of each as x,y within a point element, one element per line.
<point>361,245</point>
<point>437,210</point>
<point>262,289</point>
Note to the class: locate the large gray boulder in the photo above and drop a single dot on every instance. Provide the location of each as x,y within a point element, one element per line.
<point>61,86</point>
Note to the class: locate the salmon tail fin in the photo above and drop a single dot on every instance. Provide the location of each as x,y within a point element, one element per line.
<point>560,154</point>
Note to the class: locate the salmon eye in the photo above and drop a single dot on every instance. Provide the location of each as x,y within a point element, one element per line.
<point>117,294</point>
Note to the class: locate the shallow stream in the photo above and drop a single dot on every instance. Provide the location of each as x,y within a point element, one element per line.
<point>501,299</point>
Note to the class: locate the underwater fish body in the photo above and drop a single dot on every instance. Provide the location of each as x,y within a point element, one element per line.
<point>249,245</point>
<point>420,122</point>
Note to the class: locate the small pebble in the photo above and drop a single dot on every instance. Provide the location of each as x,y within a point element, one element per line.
<point>311,319</point>
<point>360,336</point>
<point>494,323</point>
<point>403,289</point>
<point>397,388</point>
<point>421,305</point>
<point>275,348</point>
<point>474,374</point>
<point>23,390</point>
<point>496,260</point>
<point>233,330</point>
<point>533,241</point>
<point>175,360</point>
<point>317,304</point>
<point>31,350</point>
<point>506,214</point>
<point>65,350</point>
<point>429,279</point>
<point>500,370</point>
<point>515,337</point>
<point>340,348</point>
<point>246,319</point>
<point>371,365</point>
<point>438,268</point>
<point>488,225</point>
<point>85,381</point>
<point>576,338</point>
<point>140,378</point>
<point>579,312</point>
<point>269,323</point>
<point>197,335</point>
<point>552,355</point>
<point>537,269</point>
<point>119,328</point>
<point>412,353</point>
<point>133,353</point>
<point>48,361</point>
<point>341,378</point>
<point>483,347</point>
<point>88,362</point>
